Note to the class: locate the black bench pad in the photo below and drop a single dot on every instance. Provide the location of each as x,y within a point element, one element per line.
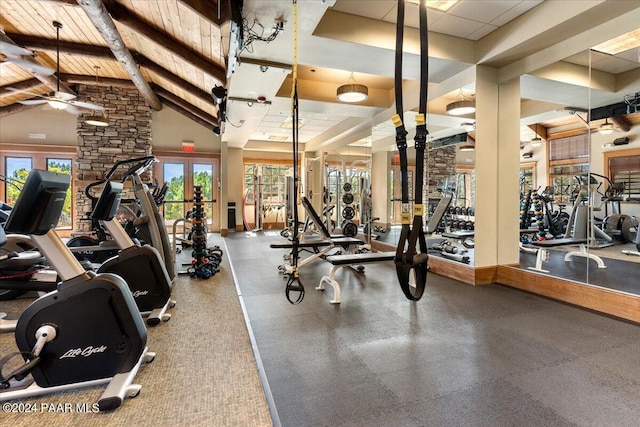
<point>317,243</point>
<point>459,234</point>
<point>362,258</point>
<point>558,242</point>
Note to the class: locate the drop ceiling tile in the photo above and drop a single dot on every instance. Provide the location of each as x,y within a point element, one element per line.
<point>373,9</point>
<point>455,26</point>
<point>484,11</point>
<point>483,31</point>
<point>632,55</point>
<point>514,12</point>
<point>615,65</point>
<point>411,17</point>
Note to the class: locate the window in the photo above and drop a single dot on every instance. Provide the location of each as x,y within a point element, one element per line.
<point>16,171</point>
<point>249,177</point>
<point>273,182</point>
<point>527,177</point>
<point>173,176</point>
<point>624,167</point>
<point>568,157</point>
<point>63,166</point>
<point>16,162</point>
<point>573,147</point>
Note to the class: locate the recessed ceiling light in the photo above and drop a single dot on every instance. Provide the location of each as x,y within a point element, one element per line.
<point>278,137</point>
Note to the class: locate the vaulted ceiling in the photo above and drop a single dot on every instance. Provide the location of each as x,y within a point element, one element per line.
<point>175,51</point>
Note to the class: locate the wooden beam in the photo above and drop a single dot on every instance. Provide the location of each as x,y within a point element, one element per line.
<point>102,81</point>
<point>15,108</point>
<point>187,114</point>
<point>51,81</point>
<point>67,2</point>
<point>181,83</point>
<point>165,94</point>
<point>622,123</point>
<point>266,63</point>
<point>38,43</point>
<point>539,130</point>
<point>215,11</point>
<point>101,52</point>
<point>100,18</point>
<point>129,18</point>
<point>23,85</point>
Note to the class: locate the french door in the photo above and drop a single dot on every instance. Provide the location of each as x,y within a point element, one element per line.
<point>182,175</point>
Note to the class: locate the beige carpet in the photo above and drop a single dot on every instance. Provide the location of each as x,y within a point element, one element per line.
<point>204,374</point>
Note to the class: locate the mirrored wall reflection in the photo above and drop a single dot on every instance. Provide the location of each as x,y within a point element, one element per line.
<point>580,174</point>
<point>346,207</point>
<point>448,197</point>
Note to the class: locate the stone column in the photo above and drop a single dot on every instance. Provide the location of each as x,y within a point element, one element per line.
<point>99,148</point>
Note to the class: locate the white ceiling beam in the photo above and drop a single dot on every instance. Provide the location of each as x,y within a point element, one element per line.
<point>623,23</point>
<point>372,32</point>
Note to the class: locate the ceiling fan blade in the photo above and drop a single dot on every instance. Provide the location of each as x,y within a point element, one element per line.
<point>71,109</point>
<point>33,101</point>
<point>13,49</point>
<point>64,95</point>
<point>31,66</point>
<point>88,105</point>
<point>15,90</point>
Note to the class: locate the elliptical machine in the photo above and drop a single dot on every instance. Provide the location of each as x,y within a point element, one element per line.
<point>88,332</point>
<point>140,266</point>
<point>148,226</point>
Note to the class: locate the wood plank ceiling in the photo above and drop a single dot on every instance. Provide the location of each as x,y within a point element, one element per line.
<point>180,47</point>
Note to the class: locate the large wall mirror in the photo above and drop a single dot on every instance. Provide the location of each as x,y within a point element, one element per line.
<point>580,173</point>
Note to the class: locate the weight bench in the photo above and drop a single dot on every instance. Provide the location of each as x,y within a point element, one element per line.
<point>461,236</point>
<point>320,248</point>
<point>350,260</point>
<point>543,253</point>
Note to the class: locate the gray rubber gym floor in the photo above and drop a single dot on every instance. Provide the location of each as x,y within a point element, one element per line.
<point>463,355</point>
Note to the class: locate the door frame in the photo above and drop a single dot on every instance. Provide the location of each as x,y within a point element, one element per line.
<point>189,159</point>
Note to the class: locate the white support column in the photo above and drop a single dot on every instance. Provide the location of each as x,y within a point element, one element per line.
<point>508,206</point>
<point>497,169</point>
<point>224,179</point>
<point>380,185</point>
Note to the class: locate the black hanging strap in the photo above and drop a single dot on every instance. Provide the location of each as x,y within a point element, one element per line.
<point>294,285</point>
<point>407,258</point>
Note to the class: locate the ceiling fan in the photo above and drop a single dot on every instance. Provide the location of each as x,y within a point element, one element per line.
<point>59,100</point>
<point>14,54</point>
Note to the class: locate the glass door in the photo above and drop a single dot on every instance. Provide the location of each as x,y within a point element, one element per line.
<point>182,175</point>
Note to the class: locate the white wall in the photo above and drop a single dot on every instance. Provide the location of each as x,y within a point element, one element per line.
<point>58,126</point>
<point>169,128</point>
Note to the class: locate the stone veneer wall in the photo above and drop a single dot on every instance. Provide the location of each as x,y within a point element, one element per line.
<point>128,135</point>
<point>439,164</point>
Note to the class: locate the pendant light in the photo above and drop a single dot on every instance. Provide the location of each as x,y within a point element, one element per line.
<point>536,141</point>
<point>352,92</point>
<point>461,107</point>
<point>97,120</point>
<point>606,128</point>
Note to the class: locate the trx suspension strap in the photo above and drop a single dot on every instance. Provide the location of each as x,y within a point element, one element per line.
<point>407,258</point>
<point>293,282</point>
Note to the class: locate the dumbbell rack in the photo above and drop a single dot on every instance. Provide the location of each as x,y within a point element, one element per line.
<point>460,218</point>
